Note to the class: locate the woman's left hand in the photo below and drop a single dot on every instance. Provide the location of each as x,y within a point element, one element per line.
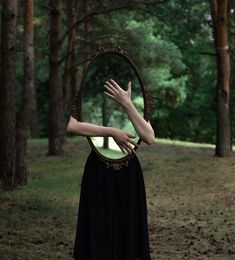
<point>114,91</point>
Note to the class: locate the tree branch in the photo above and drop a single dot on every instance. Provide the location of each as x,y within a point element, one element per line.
<point>80,63</point>
<point>153,14</point>
<point>207,53</point>
<point>108,10</point>
<point>66,56</point>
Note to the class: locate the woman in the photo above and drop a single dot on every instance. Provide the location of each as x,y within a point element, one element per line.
<point>112,216</point>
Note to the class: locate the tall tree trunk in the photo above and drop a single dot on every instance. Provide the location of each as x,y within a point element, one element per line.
<point>84,32</point>
<point>28,95</point>
<point>56,106</point>
<point>87,31</point>
<point>7,94</point>
<point>231,37</point>
<point>71,74</point>
<point>34,124</point>
<point>34,131</point>
<point>219,12</point>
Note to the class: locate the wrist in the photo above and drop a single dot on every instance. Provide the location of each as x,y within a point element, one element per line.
<point>110,131</point>
<point>127,105</point>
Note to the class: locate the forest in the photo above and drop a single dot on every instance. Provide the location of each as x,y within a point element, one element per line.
<point>186,59</point>
<point>185,52</point>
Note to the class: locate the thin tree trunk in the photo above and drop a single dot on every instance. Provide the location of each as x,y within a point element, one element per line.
<point>231,40</point>
<point>219,12</point>
<point>28,95</point>
<point>34,124</point>
<point>71,74</point>
<point>56,106</point>
<point>7,94</point>
<point>87,31</point>
<point>34,131</point>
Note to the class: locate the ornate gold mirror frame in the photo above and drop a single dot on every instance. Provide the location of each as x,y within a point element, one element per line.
<point>116,163</point>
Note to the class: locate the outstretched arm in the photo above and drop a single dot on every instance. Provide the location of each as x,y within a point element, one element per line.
<point>124,140</point>
<point>142,127</point>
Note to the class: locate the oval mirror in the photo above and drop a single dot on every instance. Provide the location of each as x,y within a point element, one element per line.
<point>97,108</point>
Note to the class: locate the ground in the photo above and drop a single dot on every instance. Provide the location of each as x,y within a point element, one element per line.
<point>190,198</point>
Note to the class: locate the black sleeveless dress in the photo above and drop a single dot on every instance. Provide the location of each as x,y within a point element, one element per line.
<point>112,214</point>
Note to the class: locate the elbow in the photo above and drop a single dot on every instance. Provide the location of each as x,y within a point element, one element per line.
<point>150,136</point>
<point>150,139</point>
<point>71,125</point>
<point>69,128</point>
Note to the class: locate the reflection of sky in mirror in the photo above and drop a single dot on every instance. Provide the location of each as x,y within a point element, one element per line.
<point>99,109</point>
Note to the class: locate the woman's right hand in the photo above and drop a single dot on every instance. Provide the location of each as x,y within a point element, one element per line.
<point>124,140</point>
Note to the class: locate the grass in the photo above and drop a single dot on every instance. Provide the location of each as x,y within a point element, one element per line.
<point>114,152</point>
<point>190,197</point>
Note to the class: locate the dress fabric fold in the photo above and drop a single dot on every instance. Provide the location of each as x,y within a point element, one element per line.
<point>112,219</point>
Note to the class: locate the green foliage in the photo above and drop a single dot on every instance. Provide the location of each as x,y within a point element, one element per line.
<point>160,62</point>
<point>96,106</point>
<point>188,27</point>
<point>172,46</point>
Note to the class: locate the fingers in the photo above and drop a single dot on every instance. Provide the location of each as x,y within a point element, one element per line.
<point>124,148</point>
<point>129,86</point>
<point>133,142</point>
<point>110,95</point>
<point>110,90</point>
<point>128,148</point>
<point>121,148</point>
<point>127,145</point>
<point>130,145</point>
<point>113,87</point>
<point>114,83</point>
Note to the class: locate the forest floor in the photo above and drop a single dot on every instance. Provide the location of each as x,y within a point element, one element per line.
<point>190,196</point>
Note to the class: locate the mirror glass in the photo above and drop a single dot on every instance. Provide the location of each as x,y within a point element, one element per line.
<point>99,109</point>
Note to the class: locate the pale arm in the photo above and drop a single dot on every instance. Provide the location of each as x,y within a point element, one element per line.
<point>87,129</point>
<point>142,127</point>
<point>123,139</point>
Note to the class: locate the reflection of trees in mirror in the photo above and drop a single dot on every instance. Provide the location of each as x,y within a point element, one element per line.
<point>113,151</point>
<point>99,109</point>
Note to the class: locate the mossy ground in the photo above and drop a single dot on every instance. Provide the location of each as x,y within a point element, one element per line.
<point>190,196</point>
